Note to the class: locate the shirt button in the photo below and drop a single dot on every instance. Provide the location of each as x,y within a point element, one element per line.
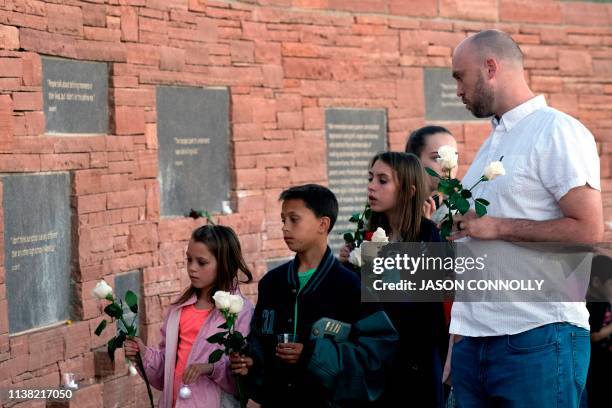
<point>294,291</point>
<point>290,320</point>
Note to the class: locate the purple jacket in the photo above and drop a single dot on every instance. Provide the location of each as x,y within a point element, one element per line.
<point>159,363</point>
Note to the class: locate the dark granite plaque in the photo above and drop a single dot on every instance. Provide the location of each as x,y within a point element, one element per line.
<point>193,138</point>
<point>37,245</point>
<point>441,100</point>
<point>75,95</point>
<point>124,282</point>
<point>353,136</point>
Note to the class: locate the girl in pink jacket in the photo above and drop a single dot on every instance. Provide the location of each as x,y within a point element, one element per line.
<point>214,259</point>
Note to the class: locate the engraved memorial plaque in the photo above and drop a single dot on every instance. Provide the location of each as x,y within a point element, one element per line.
<point>37,245</point>
<point>193,138</point>
<point>75,96</point>
<point>441,100</point>
<point>353,137</point>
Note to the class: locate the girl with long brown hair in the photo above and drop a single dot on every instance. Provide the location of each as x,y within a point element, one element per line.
<point>397,189</point>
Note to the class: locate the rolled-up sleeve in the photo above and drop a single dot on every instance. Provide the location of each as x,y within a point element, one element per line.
<point>569,158</point>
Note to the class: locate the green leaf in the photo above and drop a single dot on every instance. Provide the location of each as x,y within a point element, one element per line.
<point>111,349</point>
<point>454,197</point>
<point>217,338</point>
<point>367,213</point>
<point>223,326</point>
<point>114,310</point>
<point>132,301</point>
<point>482,201</point>
<point>360,224</point>
<point>120,339</point>
<point>348,238</point>
<point>215,356</point>
<point>355,217</point>
<point>236,341</point>
<point>463,205</point>
<point>131,331</point>
<point>432,173</point>
<point>237,335</point>
<point>100,327</point>
<point>481,209</point>
<point>445,188</point>
<point>466,194</point>
<point>455,183</point>
<point>446,228</point>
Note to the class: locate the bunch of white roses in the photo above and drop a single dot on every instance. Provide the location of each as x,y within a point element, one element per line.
<point>457,197</point>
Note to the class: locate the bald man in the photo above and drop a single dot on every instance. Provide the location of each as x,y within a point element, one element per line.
<point>523,354</point>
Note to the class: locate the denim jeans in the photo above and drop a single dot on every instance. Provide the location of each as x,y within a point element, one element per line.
<point>544,367</point>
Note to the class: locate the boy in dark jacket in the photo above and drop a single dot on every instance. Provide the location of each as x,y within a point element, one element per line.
<point>343,346</point>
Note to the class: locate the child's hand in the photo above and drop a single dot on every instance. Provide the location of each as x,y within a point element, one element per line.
<point>194,371</point>
<point>132,346</point>
<point>602,334</point>
<point>429,207</point>
<point>240,364</point>
<point>289,352</point>
<point>345,251</point>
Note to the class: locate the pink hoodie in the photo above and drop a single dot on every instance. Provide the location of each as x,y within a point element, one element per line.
<point>159,362</point>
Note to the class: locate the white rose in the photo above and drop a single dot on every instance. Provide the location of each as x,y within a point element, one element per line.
<point>131,369</point>
<point>222,300</point>
<point>236,304</point>
<point>102,290</point>
<point>355,257</point>
<point>448,158</point>
<point>380,235</point>
<point>493,170</point>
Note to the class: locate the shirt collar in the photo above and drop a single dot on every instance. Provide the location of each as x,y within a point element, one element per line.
<point>515,115</point>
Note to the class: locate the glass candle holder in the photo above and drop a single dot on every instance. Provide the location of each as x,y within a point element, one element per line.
<point>185,391</point>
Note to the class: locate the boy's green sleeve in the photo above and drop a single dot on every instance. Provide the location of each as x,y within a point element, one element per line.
<point>355,369</point>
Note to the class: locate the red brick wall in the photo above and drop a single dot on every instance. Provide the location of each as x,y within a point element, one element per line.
<point>285,62</point>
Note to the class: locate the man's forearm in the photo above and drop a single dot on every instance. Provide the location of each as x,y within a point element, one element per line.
<point>560,230</point>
